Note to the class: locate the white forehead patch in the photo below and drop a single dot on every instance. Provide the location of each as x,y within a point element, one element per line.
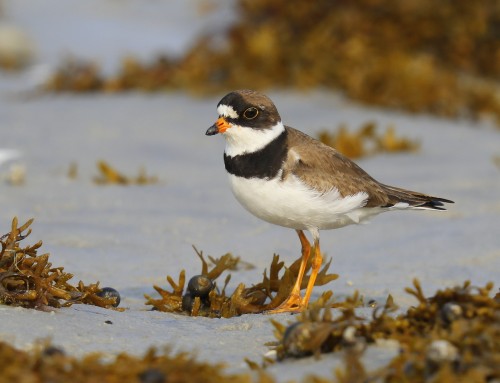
<point>227,111</point>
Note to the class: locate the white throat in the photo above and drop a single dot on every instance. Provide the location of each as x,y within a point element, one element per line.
<point>240,140</point>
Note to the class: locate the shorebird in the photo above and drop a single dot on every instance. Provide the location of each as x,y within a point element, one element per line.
<point>288,178</point>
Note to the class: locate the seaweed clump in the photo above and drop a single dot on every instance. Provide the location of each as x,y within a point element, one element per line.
<point>366,142</point>
<point>29,280</point>
<point>51,364</point>
<point>76,76</point>
<point>258,298</point>
<point>453,336</point>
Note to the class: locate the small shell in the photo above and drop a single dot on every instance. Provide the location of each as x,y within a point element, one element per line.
<point>451,312</point>
<point>349,335</point>
<point>353,342</point>
<point>440,351</point>
<point>305,338</point>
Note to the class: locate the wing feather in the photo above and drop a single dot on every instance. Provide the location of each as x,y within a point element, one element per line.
<point>323,169</point>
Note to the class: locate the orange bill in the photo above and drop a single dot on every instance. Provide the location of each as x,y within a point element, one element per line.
<point>220,126</point>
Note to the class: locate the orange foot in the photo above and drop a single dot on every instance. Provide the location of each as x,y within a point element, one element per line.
<point>293,304</point>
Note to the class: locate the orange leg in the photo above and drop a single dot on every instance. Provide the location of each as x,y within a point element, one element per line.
<point>316,264</point>
<point>294,303</point>
<point>306,252</point>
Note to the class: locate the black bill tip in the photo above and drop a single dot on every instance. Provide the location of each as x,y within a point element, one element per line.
<point>213,130</point>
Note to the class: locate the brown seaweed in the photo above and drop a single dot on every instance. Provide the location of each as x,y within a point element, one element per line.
<point>366,142</point>
<point>49,363</point>
<point>29,280</point>
<point>452,336</point>
<point>261,297</point>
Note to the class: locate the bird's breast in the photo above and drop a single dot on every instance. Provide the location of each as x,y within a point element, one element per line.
<point>291,203</point>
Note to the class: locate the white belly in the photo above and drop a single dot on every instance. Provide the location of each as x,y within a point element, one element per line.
<point>292,204</point>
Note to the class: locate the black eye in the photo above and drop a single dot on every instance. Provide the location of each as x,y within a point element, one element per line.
<point>251,113</point>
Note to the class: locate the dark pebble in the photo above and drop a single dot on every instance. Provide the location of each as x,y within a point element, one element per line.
<point>187,302</point>
<point>53,350</point>
<point>152,375</point>
<point>109,292</point>
<point>200,286</point>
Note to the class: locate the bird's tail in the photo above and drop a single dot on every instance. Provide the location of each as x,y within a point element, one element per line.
<point>402,198</point>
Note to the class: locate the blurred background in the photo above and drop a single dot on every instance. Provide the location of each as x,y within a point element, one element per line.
<point>417,55</point>
<point>132,85</point>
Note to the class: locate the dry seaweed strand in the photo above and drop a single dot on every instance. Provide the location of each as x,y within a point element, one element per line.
<point>261,297</point>
<point>170,301</point>
<point>29,280</point>
<point>237,261</point>
<point>417,55</point>
<point>109,175</point>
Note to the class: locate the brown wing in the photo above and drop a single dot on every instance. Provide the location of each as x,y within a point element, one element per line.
<point>323,168</point>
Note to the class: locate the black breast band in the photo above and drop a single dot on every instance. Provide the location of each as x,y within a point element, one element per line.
<point>264,163</point>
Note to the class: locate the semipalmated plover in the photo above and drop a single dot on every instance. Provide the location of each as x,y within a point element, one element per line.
<point>288,178</point>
